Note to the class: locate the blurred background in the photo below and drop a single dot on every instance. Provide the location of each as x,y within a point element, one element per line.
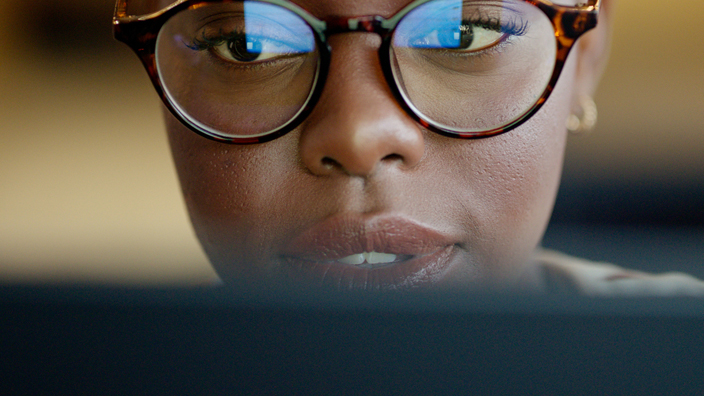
<point>88,192</point>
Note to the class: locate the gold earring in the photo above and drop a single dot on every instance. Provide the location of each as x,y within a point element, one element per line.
<point>585,119</point>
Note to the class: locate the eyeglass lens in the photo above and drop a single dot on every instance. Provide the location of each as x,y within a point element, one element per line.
<point>473,66</point>
<point>246,69</point>
<point>239,69</point>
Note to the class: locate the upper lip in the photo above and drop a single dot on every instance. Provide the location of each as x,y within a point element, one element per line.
<point>345,234</point>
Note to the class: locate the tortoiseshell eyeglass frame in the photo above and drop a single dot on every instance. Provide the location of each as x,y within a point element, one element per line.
<point>140,32</point>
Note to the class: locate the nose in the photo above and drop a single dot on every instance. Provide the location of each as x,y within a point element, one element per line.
<point>358,127</point>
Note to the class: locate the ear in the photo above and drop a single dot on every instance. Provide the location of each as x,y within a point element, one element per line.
<point>592,51</point>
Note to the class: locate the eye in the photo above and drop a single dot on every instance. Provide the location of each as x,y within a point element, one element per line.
<point>242,48</point>
<point>247,48</point>
<point>257,35</point>
<point>469,37</point>
<point>461,27</point>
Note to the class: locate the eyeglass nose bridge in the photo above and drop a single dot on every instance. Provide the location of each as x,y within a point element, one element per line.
<point>364,24</point>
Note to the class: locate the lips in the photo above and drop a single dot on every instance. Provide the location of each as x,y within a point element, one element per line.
<point>368,252</point>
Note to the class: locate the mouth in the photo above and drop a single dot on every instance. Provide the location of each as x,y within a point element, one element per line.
<point>370,253</point>
<point>373,260</point>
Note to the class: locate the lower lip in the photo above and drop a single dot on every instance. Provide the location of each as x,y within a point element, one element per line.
<point>416,272</point>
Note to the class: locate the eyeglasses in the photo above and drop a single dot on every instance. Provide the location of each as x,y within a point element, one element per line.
<point>249,71</point>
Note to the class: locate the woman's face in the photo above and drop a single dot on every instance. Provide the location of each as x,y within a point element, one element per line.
<point>360,181</point>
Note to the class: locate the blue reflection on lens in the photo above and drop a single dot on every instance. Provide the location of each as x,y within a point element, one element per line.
<point>432,25</point>
<point>285,31</point>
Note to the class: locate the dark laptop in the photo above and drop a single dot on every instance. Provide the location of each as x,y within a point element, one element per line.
<point>262,341</point>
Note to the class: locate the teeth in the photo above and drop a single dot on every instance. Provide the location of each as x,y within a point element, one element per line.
<point>368,257</point>
<point>354,259</point>
<point>375,258</point>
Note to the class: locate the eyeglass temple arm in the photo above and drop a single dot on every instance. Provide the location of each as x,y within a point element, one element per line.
<point>138,26</point>
<point>571,21</point>
<point>145,9</point>
<point>121,9</point>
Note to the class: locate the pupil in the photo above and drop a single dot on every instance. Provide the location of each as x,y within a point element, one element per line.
<point>466,36</point>
<point>243,50</point>
<point>460,38</point>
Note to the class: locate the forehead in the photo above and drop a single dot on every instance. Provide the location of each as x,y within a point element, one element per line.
<point>328,8</point>
<point>322,8</point>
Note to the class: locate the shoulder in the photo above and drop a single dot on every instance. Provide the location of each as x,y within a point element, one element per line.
<point>563,273</point>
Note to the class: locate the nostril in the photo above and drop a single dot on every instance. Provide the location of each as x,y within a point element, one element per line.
<point>329,163</point>
<point>393,158</point>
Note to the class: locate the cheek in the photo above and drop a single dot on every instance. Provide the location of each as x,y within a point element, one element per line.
<point>234,195</point>
<point>508,186</point>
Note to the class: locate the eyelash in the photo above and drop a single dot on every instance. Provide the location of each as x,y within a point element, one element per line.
<point>514,27</point>
<point>205,43</point>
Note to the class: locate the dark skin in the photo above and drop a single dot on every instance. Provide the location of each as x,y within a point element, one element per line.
<point>359,154</point>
